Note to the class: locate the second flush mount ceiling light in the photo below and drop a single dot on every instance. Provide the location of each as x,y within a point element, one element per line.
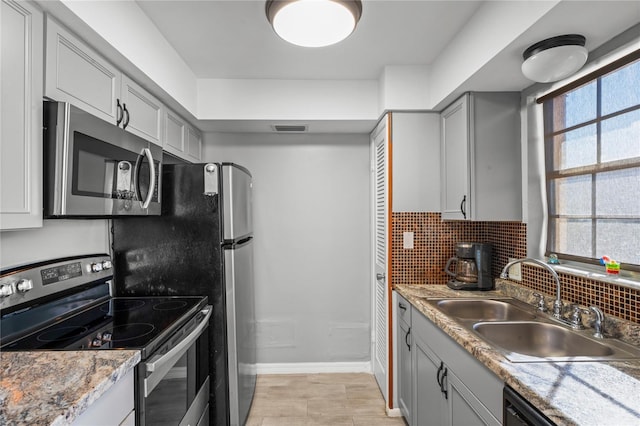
<point>554,58</point>
<point>313,23</point>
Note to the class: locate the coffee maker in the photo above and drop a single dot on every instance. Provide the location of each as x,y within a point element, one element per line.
<point>472,267</point>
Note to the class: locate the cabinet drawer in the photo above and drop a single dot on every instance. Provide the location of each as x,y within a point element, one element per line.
<point>404,310</point>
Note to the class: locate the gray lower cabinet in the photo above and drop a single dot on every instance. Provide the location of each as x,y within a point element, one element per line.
<point>445,385</point>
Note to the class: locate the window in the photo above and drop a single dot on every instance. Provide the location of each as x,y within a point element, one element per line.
<point>592,157</point>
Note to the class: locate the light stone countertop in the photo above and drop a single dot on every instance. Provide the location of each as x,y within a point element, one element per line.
<point>569,393</point>
<point>55,387</point>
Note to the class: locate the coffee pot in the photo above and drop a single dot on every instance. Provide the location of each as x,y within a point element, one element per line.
<point>465,269</point>
<point>471,267</point>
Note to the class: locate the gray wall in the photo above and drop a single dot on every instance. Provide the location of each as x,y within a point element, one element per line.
<point>57,238</point>
<point>312,252</point>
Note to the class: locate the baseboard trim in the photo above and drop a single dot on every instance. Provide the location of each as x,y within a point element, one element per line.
<point>314,367</point>
<point>394,412</point>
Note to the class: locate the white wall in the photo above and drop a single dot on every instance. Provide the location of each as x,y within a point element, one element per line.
<point>312,251</point>
<point>57,238</point>
<point>232,99</point>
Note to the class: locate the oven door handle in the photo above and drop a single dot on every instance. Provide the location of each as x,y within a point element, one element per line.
<point>160,366</point>
<point>181,347</point>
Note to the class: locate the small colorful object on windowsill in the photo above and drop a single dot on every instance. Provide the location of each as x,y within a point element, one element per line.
<point>553,259</point>
<point>611,266</point>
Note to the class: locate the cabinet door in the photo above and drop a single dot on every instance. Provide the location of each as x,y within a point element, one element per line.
<point>21,116</point>
<point>430,405</point>
<point>194,144</point>
<point>465,409</point>
<point>416,161</point>
<point>77,74</point>
<point>404,338</point>
<point>144,113</point>
<point>454,151</point>
<point>174,135</point>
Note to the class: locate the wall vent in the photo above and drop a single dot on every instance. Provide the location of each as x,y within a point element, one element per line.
<point>290,128</point>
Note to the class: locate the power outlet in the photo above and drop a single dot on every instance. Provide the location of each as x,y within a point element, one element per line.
<point>407,240</point>
<point>515,271</point>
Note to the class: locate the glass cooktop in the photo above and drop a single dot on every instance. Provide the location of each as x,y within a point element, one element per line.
<point>118,323</point>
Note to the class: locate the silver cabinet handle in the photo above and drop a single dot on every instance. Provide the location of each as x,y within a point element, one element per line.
<point>379,276</point>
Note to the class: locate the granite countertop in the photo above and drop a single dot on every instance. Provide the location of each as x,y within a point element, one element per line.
<point>569,393</point>
<point>55,387</point>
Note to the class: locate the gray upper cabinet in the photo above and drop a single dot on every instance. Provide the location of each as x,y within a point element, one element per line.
<point>144,113</point>
<point>480,158</point>
<point>415,144</point>
<point>77,74</point>
<point>181,139</point>
<point>21,77</point>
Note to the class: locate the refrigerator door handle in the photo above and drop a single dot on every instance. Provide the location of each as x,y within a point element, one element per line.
<point>232,244</point>
<point>210,179</point>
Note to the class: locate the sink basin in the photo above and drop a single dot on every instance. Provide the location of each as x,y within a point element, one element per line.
<point>482,310</point>
<point>548,341</point>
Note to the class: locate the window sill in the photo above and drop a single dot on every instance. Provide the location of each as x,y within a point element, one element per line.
<point>625,278</point>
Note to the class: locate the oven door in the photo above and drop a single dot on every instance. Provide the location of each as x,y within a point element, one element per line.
<point>173,383</point>
<point>94,168</point>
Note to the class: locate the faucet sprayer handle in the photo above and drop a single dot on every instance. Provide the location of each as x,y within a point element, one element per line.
<point>576,316</point>
<point>598,323</point>
<point>541,304</point>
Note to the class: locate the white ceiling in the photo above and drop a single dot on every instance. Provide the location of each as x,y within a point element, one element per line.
<point>221,39</point>
<point>233,39</point>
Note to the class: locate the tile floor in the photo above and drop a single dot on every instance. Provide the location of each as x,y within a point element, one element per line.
<point>352,399</point>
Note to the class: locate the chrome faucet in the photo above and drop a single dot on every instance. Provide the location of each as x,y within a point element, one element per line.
<point>557,304</point>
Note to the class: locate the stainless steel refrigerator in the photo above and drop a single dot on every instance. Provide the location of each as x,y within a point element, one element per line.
<point>202,244</point>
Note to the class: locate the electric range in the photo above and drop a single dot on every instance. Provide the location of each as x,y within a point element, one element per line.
<point>66,304</point>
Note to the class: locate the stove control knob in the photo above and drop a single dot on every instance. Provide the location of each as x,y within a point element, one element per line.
<point>6,290</point>
<point>96,343</point>
<point>106,336</point>
<point>106,264</point>
<point>24,285</point>
<point>96,267</point>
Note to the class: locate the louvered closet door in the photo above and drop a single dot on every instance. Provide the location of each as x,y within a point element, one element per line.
<point>380,166</point>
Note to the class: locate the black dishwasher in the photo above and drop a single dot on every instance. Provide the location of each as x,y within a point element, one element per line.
<point>517,411</point>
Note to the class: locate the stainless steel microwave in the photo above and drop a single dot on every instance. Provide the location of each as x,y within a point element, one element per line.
<point>93,168</point>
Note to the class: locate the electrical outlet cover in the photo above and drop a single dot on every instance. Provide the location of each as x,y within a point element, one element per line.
<point>515,272</point>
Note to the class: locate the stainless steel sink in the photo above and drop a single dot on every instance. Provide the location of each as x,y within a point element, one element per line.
<point>483,310</point>
<point>523,334</point>
<point>539,339</point>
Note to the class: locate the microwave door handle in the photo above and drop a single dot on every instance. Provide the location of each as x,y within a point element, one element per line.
<point>152,178</point>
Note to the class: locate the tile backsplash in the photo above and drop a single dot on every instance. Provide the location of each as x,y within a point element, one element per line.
<point>434,243</point>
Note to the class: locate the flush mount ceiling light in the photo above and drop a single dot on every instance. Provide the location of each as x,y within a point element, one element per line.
<point>313,23</point>
<point>554,58</point>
